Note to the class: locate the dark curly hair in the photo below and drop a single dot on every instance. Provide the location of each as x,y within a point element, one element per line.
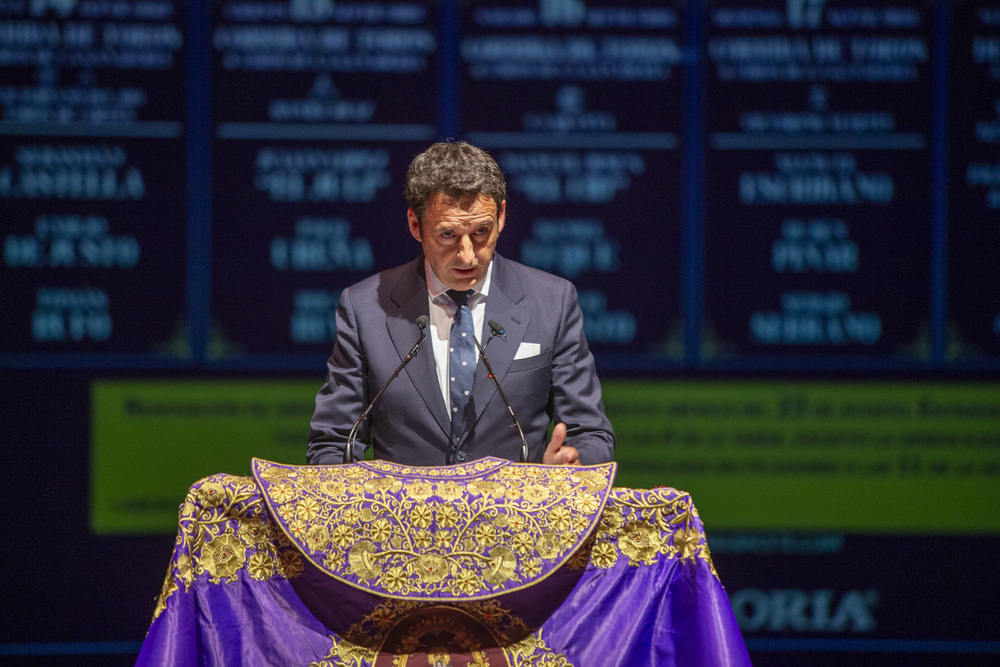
<point>457,170</point>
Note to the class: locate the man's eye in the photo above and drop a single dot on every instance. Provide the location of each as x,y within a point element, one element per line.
<point>447,235</point>
<point>482,231</point>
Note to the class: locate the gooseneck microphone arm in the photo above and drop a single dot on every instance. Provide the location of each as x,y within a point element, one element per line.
<point>497,330</point>
<point>421,322</point>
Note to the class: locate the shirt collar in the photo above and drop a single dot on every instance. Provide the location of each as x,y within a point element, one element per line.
<point>436,289</point>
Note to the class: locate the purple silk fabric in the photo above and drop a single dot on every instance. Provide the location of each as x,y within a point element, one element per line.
<point>633,586</point>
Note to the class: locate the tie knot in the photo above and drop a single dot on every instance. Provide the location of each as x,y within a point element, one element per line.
<point>460,297</point>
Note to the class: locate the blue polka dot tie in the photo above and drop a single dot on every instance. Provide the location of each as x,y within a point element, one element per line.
<point>461,360</point>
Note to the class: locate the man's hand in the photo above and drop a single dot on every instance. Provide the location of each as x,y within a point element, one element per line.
<point>558,455</point>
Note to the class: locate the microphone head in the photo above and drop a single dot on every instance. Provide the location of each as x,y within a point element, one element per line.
<point>422,321</point>
<point>496,328</point>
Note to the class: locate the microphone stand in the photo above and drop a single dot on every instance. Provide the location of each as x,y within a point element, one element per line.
<point>352,436</point>
<point>498,330</point>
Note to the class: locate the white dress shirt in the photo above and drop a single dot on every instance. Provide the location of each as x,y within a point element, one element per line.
<point>442,313</point>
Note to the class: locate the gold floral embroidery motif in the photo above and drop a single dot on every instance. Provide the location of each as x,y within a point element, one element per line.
<point>223,529</point>
<point>646,525</point>
<point>346,654</point>
<point>454,533</point>
<point>223,556</point>
<point>533,652</point>
<point>521,647</point>
<point>464,547</point>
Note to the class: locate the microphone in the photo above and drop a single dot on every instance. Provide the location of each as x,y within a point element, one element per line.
<point>497,330</point>
<point>421,323</point>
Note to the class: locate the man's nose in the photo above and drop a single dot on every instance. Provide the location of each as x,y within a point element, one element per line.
<point>466,252</point>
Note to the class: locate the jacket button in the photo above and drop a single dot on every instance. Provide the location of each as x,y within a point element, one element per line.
<point>460,456</point>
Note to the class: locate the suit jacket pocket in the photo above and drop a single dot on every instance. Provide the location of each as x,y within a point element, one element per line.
<point>543,360</point>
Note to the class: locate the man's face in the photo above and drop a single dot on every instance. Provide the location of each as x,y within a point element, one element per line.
<point>459,237</point>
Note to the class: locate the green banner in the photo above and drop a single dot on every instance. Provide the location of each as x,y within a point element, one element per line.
<point>852,457</point>
<point>823,456</point>
<point>152,439</point>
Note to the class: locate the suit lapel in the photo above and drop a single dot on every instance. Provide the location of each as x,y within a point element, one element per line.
<point>409,295</point>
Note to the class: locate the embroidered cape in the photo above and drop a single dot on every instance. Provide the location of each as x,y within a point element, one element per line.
<point>486,563</point>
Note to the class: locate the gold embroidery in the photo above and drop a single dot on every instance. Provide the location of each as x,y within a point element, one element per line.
<point>395,580</point>
<point>446,516</point>
<point>500,566</point>
<point>185,570</point>
<point>452,533</point>
<point>223,529</point>
<point>560,518</point>
<point>169,586</point>
<point>254,531</point>
<point>580,559</point>
<point>604,555</point>
<point>643,525</point>
<point>343,534</point>
<point>451,472</point>
<point>468,582</point>
<point>211,494</point>
<point>491,532</point>
<point>449,491</point>
<point>260,566</point>
<point>223,557</point>
<point>307,509</point>
<point>430,568</point>
<point>686,542</point>
<point>346,654</point>
<point>333,560</point>
<point>532,651</point>
<point>523,543</point>
<point>361,560</point>
<point>640,542</point>
<point>290,563</point>
<point>317,538</point>
<point>532,567</point>
<point>535,493</point>
<point>487,488</point>
<point>282,493</point>
<point>362,642</point>
<point>419,491</point>
<point>502,625</point>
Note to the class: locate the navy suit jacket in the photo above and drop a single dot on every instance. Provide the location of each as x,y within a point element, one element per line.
<point>409,423</point>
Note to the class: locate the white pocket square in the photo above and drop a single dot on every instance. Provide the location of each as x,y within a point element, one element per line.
<point>526,350</point>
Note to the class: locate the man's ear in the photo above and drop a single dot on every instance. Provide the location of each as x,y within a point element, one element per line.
<point>414,223</point>
<point>501,215</point>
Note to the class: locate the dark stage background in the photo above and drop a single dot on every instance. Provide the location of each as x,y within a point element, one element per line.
<point>782,217</point>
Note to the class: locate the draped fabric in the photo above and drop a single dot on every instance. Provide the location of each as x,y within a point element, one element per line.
<point>487,563</point>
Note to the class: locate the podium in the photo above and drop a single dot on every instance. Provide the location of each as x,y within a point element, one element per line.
<point>486,563</point>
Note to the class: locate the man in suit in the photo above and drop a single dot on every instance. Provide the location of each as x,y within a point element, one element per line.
<point>436,412</point>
